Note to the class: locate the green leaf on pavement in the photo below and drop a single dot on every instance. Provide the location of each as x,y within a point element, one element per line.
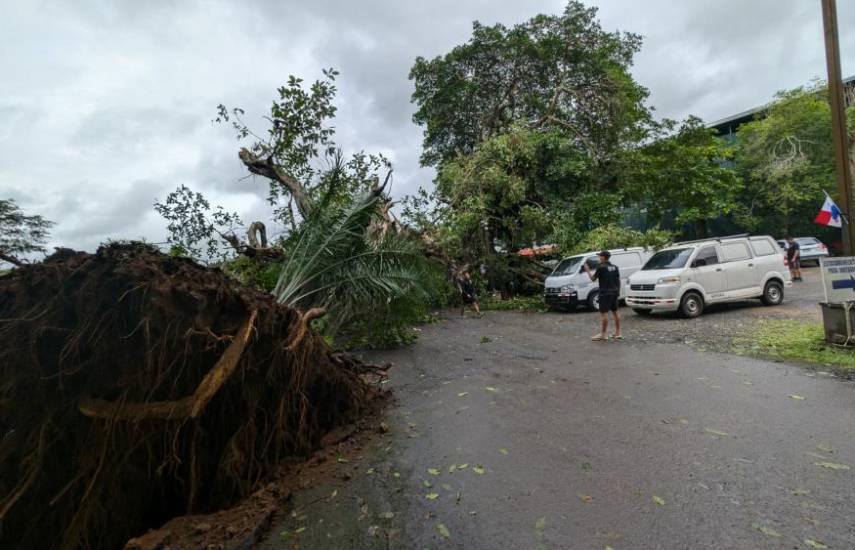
<point>796,397</point>
<point>491,388</point>
<point>433,471</point>
<point>463,466</point>
<point>825,447</point>
<point>447,487</point>
<point>478,469</point>
<point>659,500</point>
<point>832,465</point>
<point>715,432</point>
<point>299,530</point>
<point>443,530</point>
<point>452,468</point>
<point>800,492</point>
<point>540,524</point>
<point>766,530</point>
<point>427,484</point>
<point>503,451</point>
<point>432,496</point>
<point>463,394</point>
<point>815,544</point>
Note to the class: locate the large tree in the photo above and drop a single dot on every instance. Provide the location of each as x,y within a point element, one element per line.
<point>551,72</point>
<point>786,158</point>
<point>20,234</point>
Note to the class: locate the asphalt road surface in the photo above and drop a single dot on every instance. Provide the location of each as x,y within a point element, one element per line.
<point>516,431</point>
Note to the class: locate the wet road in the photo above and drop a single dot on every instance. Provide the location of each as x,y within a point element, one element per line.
<point>532,436</point>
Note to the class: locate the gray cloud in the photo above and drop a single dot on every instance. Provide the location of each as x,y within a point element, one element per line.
<point>106,105</point>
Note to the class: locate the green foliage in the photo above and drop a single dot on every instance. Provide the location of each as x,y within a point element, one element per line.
<point>517,303</point>
<point>195,229</point>
<point>794,340</point>
<point>333,261</point>
<point>611,236</point>
<point>560,72</point>
<point>685,171</point>
<point>787,160</point>
<point>19,233</point>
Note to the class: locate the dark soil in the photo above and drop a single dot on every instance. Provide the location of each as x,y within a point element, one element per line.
<point>137,387</point>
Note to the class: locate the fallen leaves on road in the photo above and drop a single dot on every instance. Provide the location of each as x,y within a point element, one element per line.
<point>715,432</point>
<point>478,469</point>
<point>587,499</point>
<point>503,451</point>
<point>427,484</point>
<point>491,388</point>
<point>540,524</point>
<point>796,397</point>
<point>432,496</point>
<point>659,500</point>
<point>766,530</point>
<point>447,487</point>
<point>463,466</point>
<point>816,544</point>
<point>801,492</point>
<point>463,394</point>
<point>832,465</point>
<point>443,530</point>
<point>433,471</point>
<point>452,468</point>
<point>825,447</point>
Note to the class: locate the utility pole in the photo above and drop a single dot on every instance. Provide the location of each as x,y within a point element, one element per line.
<point>840,136</point>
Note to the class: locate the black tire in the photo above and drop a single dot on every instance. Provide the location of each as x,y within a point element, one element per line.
<point>773,294</point>
<point>642,312</point>
<point>691,305</point>
<point>594,300</point>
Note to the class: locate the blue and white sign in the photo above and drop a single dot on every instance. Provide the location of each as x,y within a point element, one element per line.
<point>838,278</point>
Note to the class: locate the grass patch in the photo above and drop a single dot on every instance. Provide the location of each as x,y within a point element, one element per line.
<point>517,303</point>
<point>794,340</point>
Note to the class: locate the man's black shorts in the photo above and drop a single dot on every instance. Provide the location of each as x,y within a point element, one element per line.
<point>608,302</point>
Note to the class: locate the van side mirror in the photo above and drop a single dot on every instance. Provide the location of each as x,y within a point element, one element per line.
<point>700,262</point>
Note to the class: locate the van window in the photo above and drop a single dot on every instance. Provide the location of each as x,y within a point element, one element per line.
<point>707,256</point>
<point>668,259</point>
<point>762,247</point>
<point>629,259</point>
<point>731,252</point>
<point>568,266</point>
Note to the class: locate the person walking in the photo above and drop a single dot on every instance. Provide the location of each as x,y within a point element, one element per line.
<point>608,275</point>
<point>468,294</point>
<point>794,255</point>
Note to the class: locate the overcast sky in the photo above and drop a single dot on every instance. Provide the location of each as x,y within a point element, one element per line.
<point>105,106</point>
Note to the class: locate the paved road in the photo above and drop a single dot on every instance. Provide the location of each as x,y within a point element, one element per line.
<point>579,440</point>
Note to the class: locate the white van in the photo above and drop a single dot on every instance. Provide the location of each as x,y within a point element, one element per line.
<point>686,277</point>
<point>568,286</point>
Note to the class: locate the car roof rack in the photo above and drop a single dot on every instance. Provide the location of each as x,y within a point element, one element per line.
<point>717,239</point>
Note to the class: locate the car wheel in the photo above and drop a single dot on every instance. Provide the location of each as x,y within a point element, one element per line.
<point>642,312</point>
<point>773,294</point>
<point>691,305</point>
<point>594,300</point>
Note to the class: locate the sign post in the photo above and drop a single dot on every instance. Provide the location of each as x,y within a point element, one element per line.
<point>838,282</point>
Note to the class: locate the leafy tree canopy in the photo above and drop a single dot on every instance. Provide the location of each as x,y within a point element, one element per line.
<point>20,234</point>
<point>560,72</point>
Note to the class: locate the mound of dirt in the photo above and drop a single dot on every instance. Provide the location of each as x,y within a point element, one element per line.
<point>135,387</point>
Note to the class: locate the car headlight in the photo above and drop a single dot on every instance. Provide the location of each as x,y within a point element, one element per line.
<point>668,281</point>
<point>567,288</point>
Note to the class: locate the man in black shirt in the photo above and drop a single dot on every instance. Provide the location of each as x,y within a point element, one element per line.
<point>608,276</point>
<point>468,294</point>
<point>794,255</point>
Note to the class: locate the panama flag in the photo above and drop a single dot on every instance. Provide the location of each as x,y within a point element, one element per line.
<point>829,214</point>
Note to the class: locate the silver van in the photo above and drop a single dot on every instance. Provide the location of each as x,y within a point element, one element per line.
<point>686,277</point>
<point>568,286</point>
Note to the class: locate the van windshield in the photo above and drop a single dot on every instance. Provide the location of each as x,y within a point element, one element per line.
<point>568,266</point>
<point>668,259</point>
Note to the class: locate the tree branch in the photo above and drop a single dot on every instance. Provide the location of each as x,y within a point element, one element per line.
<point>266,168</point>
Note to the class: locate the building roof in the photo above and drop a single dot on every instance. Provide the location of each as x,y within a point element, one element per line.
<point>730,124</point>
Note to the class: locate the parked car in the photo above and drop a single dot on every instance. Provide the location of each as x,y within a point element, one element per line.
<point>568,286</point>
<point>686,277</point>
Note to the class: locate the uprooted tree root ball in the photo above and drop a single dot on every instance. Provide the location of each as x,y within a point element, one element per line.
<point>135,387</point>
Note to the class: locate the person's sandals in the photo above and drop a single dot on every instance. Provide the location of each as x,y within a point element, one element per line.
<point>617,336</point>
<point>598,338</point>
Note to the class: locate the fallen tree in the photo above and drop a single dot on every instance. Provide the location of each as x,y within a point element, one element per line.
<point>135,387</point>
